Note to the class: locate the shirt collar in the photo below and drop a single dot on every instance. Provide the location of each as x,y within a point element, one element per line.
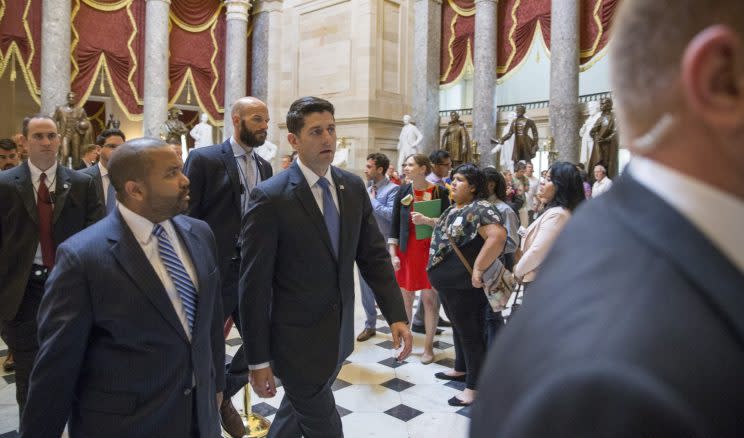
<point>102,168</point>
<point>36,172</point>
<point>141,227</point>
<point>383,182</point>
<point>238,150</point>
<point>715,213</point>
<point>311,177</point>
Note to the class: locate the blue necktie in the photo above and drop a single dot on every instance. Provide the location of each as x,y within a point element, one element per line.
<point>330,214</point>
<point>110,196</point>
<point>178,274</point>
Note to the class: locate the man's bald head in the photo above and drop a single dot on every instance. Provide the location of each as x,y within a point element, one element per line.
<point>250,120</point>
<point>246,103</point>
<point>649,41</point>
<point>131,161</point>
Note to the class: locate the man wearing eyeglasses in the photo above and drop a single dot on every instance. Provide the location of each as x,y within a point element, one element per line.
<point>108,140</point>
<point>46,204</point>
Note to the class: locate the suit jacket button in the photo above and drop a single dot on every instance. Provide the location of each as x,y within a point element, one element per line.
<point>334,306</point>
<point>187,392</point>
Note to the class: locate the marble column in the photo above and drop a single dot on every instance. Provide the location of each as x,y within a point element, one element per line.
<point>564,78</point>
<point>266,59</point>
<point>236,56</point>
<point>484,78</point>
<point>156,66</point>
<point>427,42</point>
<point>55,54</point>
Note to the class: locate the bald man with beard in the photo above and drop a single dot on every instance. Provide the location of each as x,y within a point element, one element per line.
<point>222,177</point>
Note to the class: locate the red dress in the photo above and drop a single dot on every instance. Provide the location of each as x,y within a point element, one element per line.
<point>412,273</point>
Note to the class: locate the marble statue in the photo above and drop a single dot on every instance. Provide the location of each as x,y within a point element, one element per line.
<point>456,140</point>
<point>173,128</point>
<point>112,123</point>
<point>341,159</point>
<point>267,151</point>
<point>408,141</point>
<point>605,145</point>
<point>587,142</point>
<point>202,132</point>
<point>506,148</point>
<point>74,129</point>
<point>525,146</point>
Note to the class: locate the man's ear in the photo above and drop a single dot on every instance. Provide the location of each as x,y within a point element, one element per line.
<point>292,139</point>
<point>713,76</point>
<point>134,190</point>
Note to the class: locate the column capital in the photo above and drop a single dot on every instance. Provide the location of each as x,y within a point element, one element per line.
<point>237,9</point>
<point>439,2</point>
<point>168,2</point>
<point>267,6</point>
<point>486,1</point>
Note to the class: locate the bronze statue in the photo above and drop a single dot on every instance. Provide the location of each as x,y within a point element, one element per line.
<point>74,129</point>
<point>525,147</point>
<point>604,133</point>
<point>456,140</point>
<point>173,128</point>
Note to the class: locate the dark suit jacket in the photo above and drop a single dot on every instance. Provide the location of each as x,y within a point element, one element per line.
<point>215,198</point>
<point>401,213</point>
<point>76,206</point>
<point>113,355</point>
<point>296,297</point>
<point>643,337</point>
<point>95,173</point>
<point>82,166</point>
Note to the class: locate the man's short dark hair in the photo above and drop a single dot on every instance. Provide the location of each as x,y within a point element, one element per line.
<point>521,165</point>
<point>101,139</point>
<point>381,160</point>
<point>303,106</point>
<point>27,120</point>
<point>131,161</point>
<point>438,157</point>
<point>89,148</point>
<point>7,144</point>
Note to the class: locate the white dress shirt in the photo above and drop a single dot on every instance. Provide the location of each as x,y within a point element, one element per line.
<point>600,187</point>
<point>717,214</point>
<point>249,178</point>
<point>142,229</point>
<point>105,181</point>
<point>51,183</point>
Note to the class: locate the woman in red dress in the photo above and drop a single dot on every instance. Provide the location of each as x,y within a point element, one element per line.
<point>410,255</point>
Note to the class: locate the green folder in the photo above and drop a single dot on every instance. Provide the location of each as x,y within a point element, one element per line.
<point>431,208</point>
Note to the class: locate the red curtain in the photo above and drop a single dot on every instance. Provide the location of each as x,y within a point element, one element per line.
<point>457,39</point>
<point>596,23</point>
<point>518,22</point>
<point>20,26</point>
<point>194,12</point>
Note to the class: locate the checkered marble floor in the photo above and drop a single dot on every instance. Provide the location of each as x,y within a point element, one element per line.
<point>375,395</point>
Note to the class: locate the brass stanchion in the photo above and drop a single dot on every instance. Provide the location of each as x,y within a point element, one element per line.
<point>256,426</point>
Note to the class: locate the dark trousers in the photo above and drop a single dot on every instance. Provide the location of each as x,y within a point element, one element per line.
<point>459,357</point>
<point>20,334</point>
<point>493,321</point>
<point>465,310</point>
<point>236,372</point>
<point>307,410</point>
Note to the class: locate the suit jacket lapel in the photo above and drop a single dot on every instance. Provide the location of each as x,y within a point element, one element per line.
<point>26,190</point>
<point>231,166</point>
<point>61,191</point>
<point>303,193</point>
<point>195,249</point>
<point>343,206</point>
<point>713,274</point>
<point>133,261</point>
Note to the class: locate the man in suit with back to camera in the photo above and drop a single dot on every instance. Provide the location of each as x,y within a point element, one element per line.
<point>108,140</point>
<point>222,177</point>
<point>130,325</point>
<point>646,337</point>
<point>43,204</point>
<point>303,232</point>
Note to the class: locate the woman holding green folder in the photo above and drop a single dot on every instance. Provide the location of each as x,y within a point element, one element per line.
<point>409,241</point>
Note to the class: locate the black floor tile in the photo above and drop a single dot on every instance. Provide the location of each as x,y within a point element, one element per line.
<point>442,345</point>
<point>234,342</point>
<point>392,362</point>
<point>9,379</point>
<point>342,412</point>
<point>397,384</point>
<point>11,434</point>
<point>460,386</point>
<point>465,412</point>
<point>403,412</point>
<point>383,329</point>
<point>339,384</point>
<point>446,362</point>
<point>388,345</point>
<point>264,409</point>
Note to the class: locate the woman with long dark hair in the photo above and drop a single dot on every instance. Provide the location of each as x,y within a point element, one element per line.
<point>560,193</point>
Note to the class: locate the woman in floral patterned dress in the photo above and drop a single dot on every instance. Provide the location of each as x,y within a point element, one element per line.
<point>475,226</point>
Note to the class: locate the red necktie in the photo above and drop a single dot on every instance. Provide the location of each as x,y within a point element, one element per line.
<point>46,211</point>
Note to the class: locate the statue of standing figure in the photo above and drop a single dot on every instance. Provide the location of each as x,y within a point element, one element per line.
<point>525,146</point>
<point>74,129</point>
<point>173,128</point>
<point>408,141</point>
<point>506,148</point>
<point>604,133</point>
<point>456,140</point>
<point>202,132</point>
<point>587,142</point>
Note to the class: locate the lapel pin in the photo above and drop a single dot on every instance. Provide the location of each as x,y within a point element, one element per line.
<point>341,187</point>
<point>65,186</point>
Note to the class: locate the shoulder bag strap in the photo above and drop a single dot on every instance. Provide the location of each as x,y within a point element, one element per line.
<point>461,257</point>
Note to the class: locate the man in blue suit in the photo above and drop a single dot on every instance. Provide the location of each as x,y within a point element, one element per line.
<point>303,232</point>
<point>645,336</point>
<point>222,177</point>
<point>130,325</point>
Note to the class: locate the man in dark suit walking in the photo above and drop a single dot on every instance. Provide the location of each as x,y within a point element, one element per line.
<point>645,337</point>
<point>130,324</point>
<point>302,233</point>
<point>222,177</point>
<point>108,140</point>
<point>43,204</point>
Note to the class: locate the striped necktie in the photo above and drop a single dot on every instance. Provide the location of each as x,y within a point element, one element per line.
<point>178,274</point>
<point>330,214</point>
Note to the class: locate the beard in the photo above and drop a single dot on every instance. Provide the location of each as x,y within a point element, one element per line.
<point>249,138</point>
